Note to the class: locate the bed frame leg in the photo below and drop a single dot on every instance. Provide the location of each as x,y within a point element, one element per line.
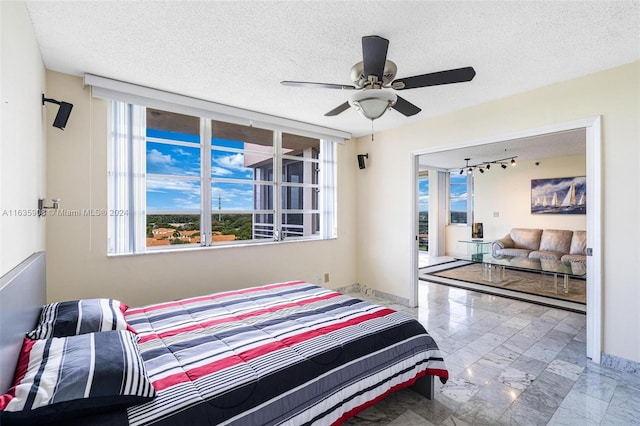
<point>425,386</point>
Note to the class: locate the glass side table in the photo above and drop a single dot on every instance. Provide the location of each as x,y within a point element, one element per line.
<point>477,247</point>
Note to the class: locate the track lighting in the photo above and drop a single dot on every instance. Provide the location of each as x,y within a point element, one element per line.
<point>63,112</point>
<point>486,165</point>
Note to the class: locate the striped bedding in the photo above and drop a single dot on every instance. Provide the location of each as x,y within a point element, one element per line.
<point>287,353</point>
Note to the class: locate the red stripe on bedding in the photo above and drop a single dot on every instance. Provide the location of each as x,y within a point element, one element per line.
<point>158,306</point>
<point>347,415</point>
<point>429,371</point>
<point>195,373</point>
<point>258,351</point>
<point>237,317</point>
<point>302,337</point>
<point>21,371</point>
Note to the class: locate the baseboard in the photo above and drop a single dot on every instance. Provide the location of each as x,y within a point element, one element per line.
<point>353,288</point>
<point>357,287</point>
<point>620,364</point>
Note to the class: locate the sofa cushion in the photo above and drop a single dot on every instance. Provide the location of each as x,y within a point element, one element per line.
<point>526,238</point>
<point>555,240</point>
<point>579,243</point>
<point>574,258</point>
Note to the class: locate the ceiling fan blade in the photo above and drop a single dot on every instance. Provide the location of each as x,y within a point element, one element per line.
<point>318,85</point>
<point>374,55</point>
<point>345,106</point>
<point>405,107</point>
<point>457,75</point>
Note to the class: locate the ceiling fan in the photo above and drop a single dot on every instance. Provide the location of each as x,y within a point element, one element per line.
<point>375,75</point>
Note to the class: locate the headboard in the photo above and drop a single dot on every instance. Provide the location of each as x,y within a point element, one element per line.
<point>22,294</point>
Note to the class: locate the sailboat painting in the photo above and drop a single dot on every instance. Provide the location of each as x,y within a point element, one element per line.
<point>559,195</point>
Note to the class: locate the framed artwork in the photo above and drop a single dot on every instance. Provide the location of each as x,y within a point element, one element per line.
<point>559,195</point>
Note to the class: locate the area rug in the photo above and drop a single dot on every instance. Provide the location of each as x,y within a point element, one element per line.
<point>514,280</point>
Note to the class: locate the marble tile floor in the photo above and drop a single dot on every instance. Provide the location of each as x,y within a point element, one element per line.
<point>510,363</point>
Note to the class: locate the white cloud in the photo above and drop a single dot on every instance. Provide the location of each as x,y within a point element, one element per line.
<point>220,171</point>
<point>156,157</point>
<point>233,162</point>
<point>182,152</point>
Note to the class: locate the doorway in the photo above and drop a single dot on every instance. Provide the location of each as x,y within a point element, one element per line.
<point>591,127</point>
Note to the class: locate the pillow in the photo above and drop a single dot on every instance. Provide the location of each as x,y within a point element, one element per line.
<point>61,319</point>
<point>64,377</point>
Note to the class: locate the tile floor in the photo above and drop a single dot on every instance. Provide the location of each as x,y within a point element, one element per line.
<point>510,363</point>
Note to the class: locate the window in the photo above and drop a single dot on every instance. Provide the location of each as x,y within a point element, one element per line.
<point>460,197</point>
<point>189,181</point>
<point>423,211</point>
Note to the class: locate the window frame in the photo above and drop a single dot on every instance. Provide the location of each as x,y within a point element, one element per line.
<point>326,226</point>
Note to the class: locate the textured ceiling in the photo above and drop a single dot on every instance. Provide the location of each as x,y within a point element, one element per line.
<point>540,147</point>
<point>237,52</point>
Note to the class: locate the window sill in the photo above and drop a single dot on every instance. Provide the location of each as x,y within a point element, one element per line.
<point>220,247</point>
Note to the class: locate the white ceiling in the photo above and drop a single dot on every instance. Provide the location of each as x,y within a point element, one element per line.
<point>559,144</point>
<point>237,52</point>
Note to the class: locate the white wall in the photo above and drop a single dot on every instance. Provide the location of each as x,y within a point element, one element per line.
<point>508,193</point>
<point>77,262</point>
<point>385,232</point>
<point>22,142</point>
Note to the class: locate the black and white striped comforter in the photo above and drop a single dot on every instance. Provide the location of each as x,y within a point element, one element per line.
<point>288,353</point>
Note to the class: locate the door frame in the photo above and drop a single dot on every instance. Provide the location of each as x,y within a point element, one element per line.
<point>593,131</point>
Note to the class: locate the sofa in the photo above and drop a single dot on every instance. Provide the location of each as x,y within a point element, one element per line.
<point>555,244</point>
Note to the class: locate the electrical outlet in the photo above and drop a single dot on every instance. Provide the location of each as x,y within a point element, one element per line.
<point>496,214</point>
<point>326,277</point>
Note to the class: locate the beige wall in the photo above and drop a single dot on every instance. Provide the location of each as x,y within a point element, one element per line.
<point>77,262</point>
<point>508,193</point>
<point>384,191</point>
<point>22,142</point>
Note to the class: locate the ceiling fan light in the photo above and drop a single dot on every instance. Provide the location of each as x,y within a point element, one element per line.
<point>372,103</point>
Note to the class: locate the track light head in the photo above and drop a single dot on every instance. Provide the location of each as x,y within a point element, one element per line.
<point>504,166</point>
<point>461,171</point>
<point>481,170</point>
<point>488,166</point>
<point>513,162</point>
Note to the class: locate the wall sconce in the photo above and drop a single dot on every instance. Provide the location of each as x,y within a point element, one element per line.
<point>42,207</point>
<point>63,112</point>
<point>361,158</point>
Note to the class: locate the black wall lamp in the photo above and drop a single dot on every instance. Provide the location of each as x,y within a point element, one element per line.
<point>63,112</point>
<point>361,158</point>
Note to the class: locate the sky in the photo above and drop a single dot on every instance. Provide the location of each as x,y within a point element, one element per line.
<point>458,188</point>
<point>180,190</point>
<point>423,194</point>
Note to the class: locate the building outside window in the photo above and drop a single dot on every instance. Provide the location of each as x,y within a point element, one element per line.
<point>423,211</point>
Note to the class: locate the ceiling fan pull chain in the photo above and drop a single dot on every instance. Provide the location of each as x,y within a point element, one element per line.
<point>371,130</point>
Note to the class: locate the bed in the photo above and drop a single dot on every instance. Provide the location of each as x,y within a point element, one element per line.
<point>284,353</point>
